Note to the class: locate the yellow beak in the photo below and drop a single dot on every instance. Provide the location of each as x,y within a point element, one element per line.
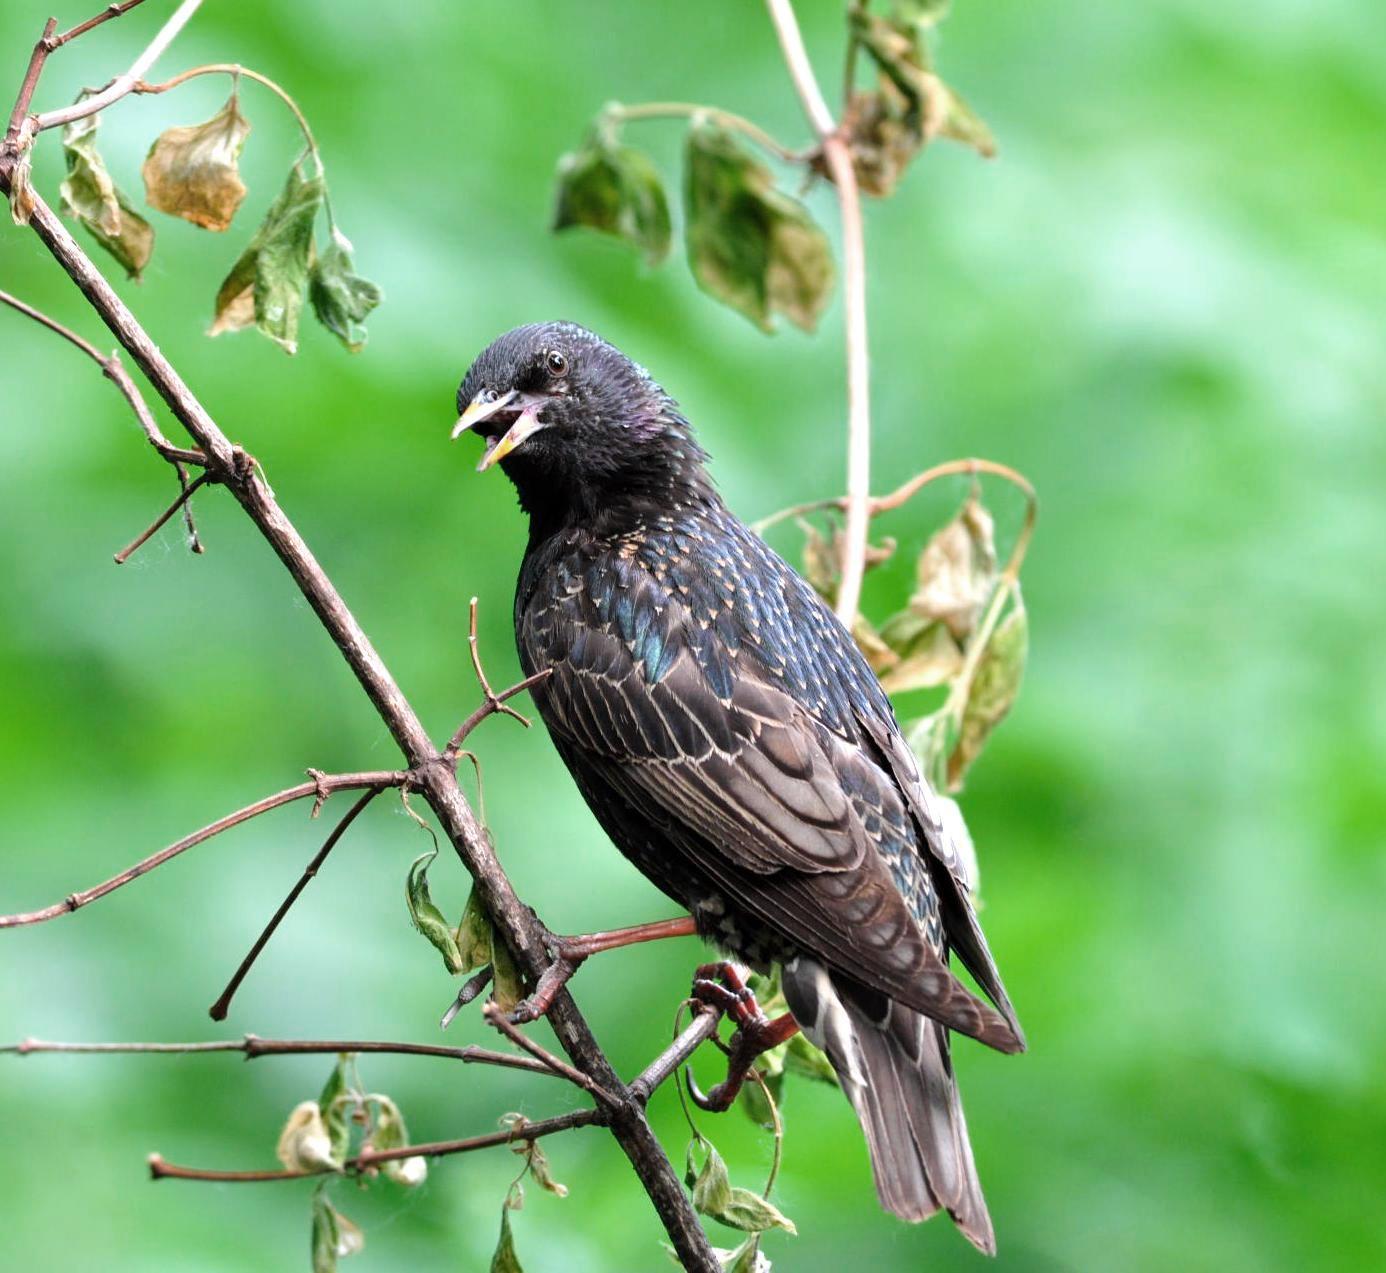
<point>482,408</point>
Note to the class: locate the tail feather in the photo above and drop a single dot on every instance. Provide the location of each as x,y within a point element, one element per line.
<point>894,1065</point>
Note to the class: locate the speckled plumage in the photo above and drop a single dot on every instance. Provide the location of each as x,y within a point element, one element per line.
<point>736,746</point>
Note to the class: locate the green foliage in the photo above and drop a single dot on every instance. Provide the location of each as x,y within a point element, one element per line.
<point>616,190</point>
<point>340,297</point>
<point>429,921</point>
<point>716,1197</point>
<point>750,245</point>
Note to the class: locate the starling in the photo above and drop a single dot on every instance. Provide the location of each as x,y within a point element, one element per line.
<point>736,746</point>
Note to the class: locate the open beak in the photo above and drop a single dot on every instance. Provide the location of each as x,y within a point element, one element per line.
<point>519,410</point>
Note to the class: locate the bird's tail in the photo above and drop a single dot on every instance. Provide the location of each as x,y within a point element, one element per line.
<point>893,1064</point>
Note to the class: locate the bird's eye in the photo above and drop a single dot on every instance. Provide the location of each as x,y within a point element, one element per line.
<point>556,363</point>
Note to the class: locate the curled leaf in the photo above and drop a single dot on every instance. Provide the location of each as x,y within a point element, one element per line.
<point>714,1195</point>
<point>304,1144</point>
<point>332,1105</point>
<point>926,653</point>
<point>426,917</point>
<point>390,1133</point>
<point>22,190</point>
<point>750,245</point>
<point>92,197</point>
<point>993,691</point>
<point>191,172</point>
<point>334,1236</point>
<point>478,946</point>
<point>266,284</point>
<point>617,191</point>
<point>341,298</point>
<point>533,1153</point>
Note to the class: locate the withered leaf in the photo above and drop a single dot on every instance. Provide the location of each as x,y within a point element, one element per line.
<point>266,284</point>
<point>341,298</point>
<point>615,190</point>
<point>714,1195</point>
<point>91,196</point>
<point>426,917</point>
<point>994,688</point>
<point>304,1144</point>
<point>192,172</point>
<point>926,653</point>
<point>957,570</point>
<point>749,244</point>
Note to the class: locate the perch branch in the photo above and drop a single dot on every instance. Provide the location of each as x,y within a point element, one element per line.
<point>431,773</point>
<point>837,155</point>
<point>496,1017</point>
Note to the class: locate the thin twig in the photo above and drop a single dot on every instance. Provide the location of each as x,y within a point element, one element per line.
<point>499,704</point>
<point>106,14</point>
<point>152,529</point>
<point>37,58</point>
<point>219,1009</point>
<point>837,155</point>
<point>254,1047</point>
<point>122,84</point>
<point>496,1017</point>
<point>492,704</point>
<point>621,113</point>
<point>332,782</point>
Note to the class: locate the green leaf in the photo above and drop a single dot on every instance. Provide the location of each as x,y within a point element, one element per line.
<point>922,13</point>
<point>341,298</point>
<point>390,1133</point>
<point>478,946</point>
<point>92,197</point>
<point>332,1105</point>
<point>266,284</point>
<point>993,691</point>
<point>334,1236</point>
<point>753,1097</point>
<point>714,1195</point>
<point>956,572</point>
<point>193,172</point>
<point>426,917</point>
<point>505,1260</point>
<point>747,1258</point>
<point>808,1060</point>
<point>932,739</point>
<point>927,653</point>
<point>304,1144</point>
<point>750,245</point>
<point>617,191</point>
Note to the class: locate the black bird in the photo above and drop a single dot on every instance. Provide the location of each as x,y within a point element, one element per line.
<point>734,743</point>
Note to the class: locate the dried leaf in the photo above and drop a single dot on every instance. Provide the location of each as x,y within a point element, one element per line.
<point>823,557</point>
<point>341,298</point>
<point>957,570</point>
<point>304,1144</point>
<point>750,245</point>
<point>747,1258</point>
<point>993,691</point>
<point>390,1133</point>
<point>932,739</point>
<point>192,172</point>
<point>426,917</point>
<point>533,1153</point>
<point>617,191</point>
<point>266,284</point>
<point>928,656</point>
<point>714,1195</point>
<point>505,1260</point>
<point>92,197</point>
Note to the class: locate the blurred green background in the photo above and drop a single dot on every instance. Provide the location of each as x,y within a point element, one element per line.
<point>1163,302</point>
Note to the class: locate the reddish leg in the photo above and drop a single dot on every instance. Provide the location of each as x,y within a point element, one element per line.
<point>570,952</point>
<point>722,986</point>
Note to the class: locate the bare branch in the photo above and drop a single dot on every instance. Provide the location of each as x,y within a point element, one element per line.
<point>122,84</point>
<point>837,155</point>
<point>378,778</point>
<point>152,529</point>
<point>253,1047</point>
<point>219,1009</point>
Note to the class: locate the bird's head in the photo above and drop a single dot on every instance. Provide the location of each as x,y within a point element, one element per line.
<point>569,417</point>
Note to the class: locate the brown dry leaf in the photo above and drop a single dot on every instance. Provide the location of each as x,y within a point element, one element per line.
<point>957,570</point>
<point>192,172</point>
<point>931,658</point>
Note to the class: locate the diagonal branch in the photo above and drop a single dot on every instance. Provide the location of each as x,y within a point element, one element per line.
<point>432,774</point>
<point>321,784</point>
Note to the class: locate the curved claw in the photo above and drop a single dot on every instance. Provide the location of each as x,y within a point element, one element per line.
<point>715,1102</point>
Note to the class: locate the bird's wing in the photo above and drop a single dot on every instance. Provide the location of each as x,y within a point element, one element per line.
<point>785,816</point>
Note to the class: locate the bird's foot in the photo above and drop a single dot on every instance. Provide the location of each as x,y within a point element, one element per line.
<point>569,954</point>
<point>722,987</point>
